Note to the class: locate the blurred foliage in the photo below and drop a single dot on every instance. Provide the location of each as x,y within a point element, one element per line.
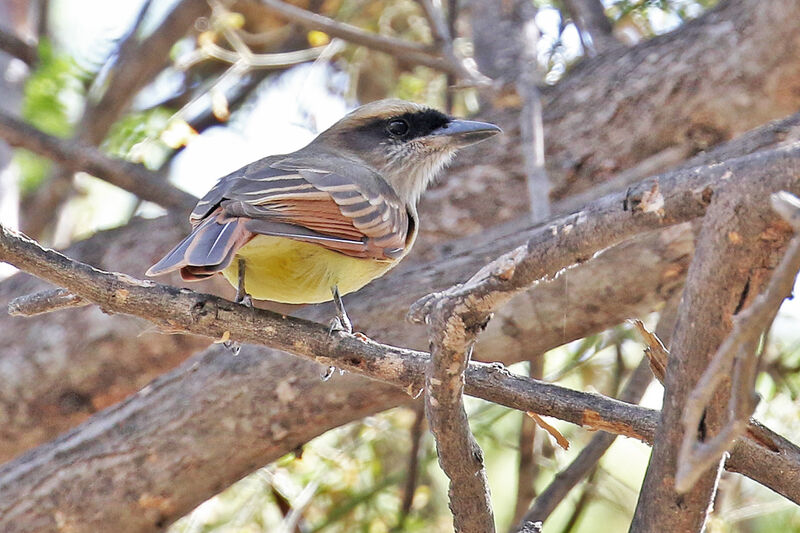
<point>53,94</point>
<point>137,137</point>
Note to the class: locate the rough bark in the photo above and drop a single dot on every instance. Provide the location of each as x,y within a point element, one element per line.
<point>735,253</point>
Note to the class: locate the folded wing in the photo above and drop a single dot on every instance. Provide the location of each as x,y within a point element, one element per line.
<point>337,204</point>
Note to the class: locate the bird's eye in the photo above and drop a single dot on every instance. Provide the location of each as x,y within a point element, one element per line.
<point>397,127</point>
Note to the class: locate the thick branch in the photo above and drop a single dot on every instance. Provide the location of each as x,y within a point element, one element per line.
<point>76,156</point>
<point>736,357</point>
<point>735,254</point>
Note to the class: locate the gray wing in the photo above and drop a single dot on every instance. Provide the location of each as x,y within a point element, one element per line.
<point>333,202</point>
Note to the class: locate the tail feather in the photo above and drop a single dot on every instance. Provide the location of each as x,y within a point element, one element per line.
<point>207,250</point>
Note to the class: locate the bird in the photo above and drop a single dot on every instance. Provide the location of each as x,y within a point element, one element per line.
<point>321,222</point>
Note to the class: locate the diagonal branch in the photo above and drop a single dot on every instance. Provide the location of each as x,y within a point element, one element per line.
<point>732,262</point>
<point>138,64</point>
<point>661,201</point>
<point>78,156</point>
<point>401,49</point>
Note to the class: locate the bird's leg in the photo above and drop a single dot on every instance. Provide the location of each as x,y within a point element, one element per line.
<point>241,298</point>
<point>341,321</point>
<point>241,295</point>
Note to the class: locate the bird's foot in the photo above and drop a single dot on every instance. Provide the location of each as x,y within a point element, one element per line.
<point>340,323</point>
<point>234,346</point>
<point>245,300</point>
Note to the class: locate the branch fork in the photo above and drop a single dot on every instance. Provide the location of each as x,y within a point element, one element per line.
<point>737,357</point>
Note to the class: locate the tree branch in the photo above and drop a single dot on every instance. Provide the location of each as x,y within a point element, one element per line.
<point>459,454</point>
<point>737,357</point>
<point>174,308</point>
<point>76,156</point>
<point>401,49</point>
<point>731,263</point>
<point>139,62</point>
<point>44,302</point>
<point>664,200</point>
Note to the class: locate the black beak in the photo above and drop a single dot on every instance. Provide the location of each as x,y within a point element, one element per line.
<point>466,132</point>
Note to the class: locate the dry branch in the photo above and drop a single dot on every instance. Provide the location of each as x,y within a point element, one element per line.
<point>735,255</point>
<point>737,357</point>
<point>77,156</point>
<point>459,455</point>
<point>44,302</point>
<point>174,308</point>
<point>403,50</point>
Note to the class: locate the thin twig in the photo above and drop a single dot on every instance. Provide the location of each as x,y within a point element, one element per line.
<point>739,352</point>
<point>78,156</point>
<point>528,467</point>
<point>44,302</point>
<point>277,60</point>
<point>412,469</point>
<point>544,505</point>
<point>401,49</point>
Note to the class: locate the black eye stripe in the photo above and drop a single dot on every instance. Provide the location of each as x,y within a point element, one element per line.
<point>420,123</point>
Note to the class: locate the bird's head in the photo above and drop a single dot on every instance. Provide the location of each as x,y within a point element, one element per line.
<point>408,144</point>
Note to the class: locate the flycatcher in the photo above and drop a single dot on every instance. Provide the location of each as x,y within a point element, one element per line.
<point>325,220</point>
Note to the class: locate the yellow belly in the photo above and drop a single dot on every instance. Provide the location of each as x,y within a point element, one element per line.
<point>294,272</point>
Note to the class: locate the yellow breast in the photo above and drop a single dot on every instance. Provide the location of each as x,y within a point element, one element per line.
<point>289,271</point>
